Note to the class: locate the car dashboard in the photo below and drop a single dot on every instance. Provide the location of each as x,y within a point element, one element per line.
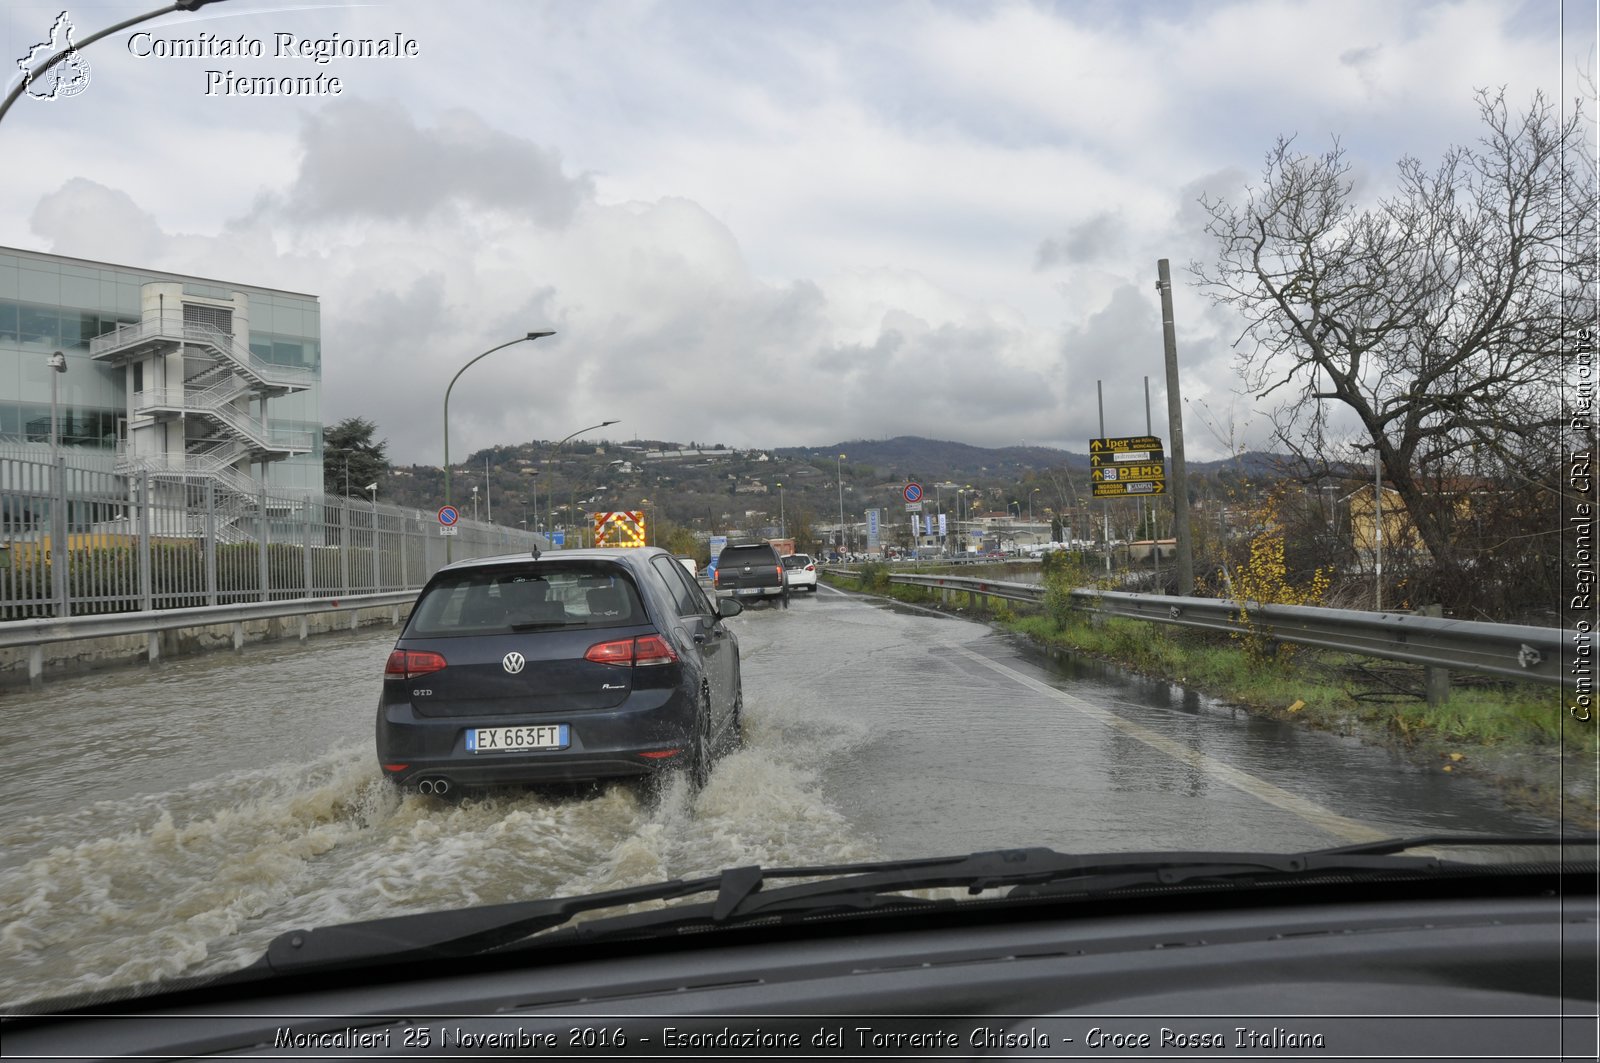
<point>1460,977</point>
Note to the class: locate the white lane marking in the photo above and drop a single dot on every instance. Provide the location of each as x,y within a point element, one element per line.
<point>1322,818</point>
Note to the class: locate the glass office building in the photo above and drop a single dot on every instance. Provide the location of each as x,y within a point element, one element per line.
<point>180,377</point>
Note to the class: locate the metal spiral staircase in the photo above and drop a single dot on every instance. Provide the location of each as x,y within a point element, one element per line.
<point>220,372</point>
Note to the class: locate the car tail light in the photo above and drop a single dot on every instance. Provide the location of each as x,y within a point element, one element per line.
<point>619,652</point>
<point>652,649</point>
<point>408,664</point>
<point>642,651</point>
<point>811,568</point>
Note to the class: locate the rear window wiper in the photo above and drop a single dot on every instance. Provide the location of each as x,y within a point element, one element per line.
<point>742,896</point>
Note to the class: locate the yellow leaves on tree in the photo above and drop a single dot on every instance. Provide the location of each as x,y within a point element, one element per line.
<point>1264,580</point>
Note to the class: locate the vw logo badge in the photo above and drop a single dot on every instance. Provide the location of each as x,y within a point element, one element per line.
<point>513,662</point>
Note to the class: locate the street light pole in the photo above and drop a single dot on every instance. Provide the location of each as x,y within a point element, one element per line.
<point>783,532</point>
<point>58,493</point>
<point>550,462</point>
<point>452,384</point>
<point>839,476</point>
<point>58,363</point>
<point>1377,530</point>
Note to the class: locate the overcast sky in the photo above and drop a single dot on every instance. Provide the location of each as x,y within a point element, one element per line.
<point>931,218</point>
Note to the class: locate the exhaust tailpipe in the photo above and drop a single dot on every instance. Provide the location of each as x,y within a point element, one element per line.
<point>437,787</point>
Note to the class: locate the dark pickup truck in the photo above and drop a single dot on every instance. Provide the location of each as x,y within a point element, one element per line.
<point>752,571</point>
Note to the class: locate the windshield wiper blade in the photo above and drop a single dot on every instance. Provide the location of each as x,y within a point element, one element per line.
<point>741,896</point>
<point>1035,873</point>
<point>468,931</point>
<point>1463,841</point>
<point>453,932</point>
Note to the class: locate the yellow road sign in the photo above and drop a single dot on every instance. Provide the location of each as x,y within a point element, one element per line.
<point>1123,488</point>
<point>1111,444</point>
<point>1128,472</point>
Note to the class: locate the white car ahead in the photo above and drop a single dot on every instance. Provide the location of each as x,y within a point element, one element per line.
<point>800,572</point>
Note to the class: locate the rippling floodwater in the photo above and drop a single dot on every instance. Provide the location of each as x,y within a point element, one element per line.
<point>174,820</point>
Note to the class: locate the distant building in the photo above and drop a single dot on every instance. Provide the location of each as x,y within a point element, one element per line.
<point>169,373</point>
<point>189,382</point>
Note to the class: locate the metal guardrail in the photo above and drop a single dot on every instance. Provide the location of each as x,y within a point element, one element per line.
<point>44,630</point>
<point>35,634</point>
<point>1517,651</point>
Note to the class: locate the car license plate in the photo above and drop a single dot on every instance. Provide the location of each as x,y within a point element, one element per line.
<point>748,590</point>
<point>510,739</point>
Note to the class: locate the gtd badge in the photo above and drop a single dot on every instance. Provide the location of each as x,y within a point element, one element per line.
<point>513,662</point>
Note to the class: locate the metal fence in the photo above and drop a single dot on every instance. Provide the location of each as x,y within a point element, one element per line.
<point>83,540</point>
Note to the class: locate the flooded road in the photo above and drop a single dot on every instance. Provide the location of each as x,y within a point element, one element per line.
<point>173,820</point>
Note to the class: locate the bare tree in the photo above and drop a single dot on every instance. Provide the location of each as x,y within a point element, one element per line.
<point>1437,316</point>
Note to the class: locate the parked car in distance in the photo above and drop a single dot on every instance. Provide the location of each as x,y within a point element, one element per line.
<point>574,665</point>
<point>750,570</point>
<point>800,572</point>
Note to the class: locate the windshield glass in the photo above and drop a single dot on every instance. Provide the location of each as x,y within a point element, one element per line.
<point>1193,455</point>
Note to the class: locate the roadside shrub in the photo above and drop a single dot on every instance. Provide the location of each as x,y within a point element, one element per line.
<point>874,576</point>
<point>1264,580</point>
<point>1063,573</point>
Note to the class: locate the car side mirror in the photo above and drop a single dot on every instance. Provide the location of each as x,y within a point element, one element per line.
<point>727,607</point>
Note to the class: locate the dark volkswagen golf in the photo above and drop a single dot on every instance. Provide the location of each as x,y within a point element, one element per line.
<point>566,666</point>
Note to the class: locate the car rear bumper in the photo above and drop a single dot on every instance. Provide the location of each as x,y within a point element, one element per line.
<point>601,744</point>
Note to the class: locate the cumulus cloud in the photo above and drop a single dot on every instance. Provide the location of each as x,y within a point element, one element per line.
<point>85,213</point>
<point>1091,240</point>
<point>890,218</point>
<point>362,158</point>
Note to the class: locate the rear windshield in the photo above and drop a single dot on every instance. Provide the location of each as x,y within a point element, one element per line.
<point>748,555</point>
<point>797,561</point>
<point>530,597</point>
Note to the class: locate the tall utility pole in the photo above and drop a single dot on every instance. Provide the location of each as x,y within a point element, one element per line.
<point>1177,479</point>
<point>839,475</point>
